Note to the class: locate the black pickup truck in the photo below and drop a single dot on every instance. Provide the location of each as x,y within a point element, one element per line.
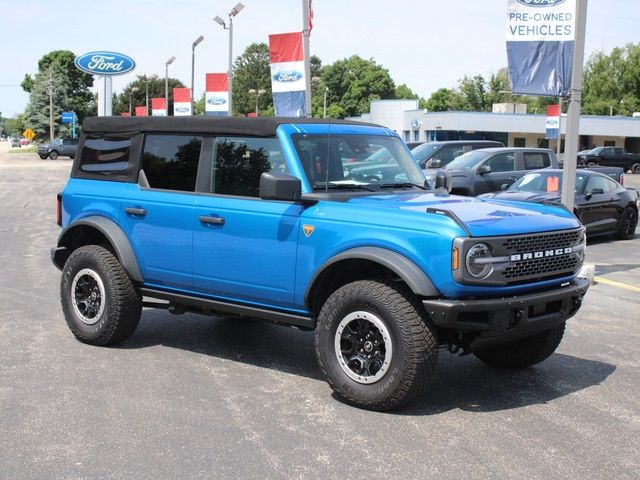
<point>610,157</point>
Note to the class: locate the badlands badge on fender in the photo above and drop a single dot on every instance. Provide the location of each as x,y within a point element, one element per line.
<point>308,230</point>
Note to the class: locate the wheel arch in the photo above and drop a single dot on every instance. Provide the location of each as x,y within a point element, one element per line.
<point>351,264</point>
<point>96,230</point>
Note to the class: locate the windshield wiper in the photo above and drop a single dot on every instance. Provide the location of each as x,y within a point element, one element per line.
<point>401,185</point>
<point>343,186</point>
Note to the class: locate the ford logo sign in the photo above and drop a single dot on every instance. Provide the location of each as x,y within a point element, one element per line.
<point>105,63</point>
<point>287,76</point>
<point>540,3</point>
<point>182,109</point>
<point>216,101</point>
<point>552,122</point>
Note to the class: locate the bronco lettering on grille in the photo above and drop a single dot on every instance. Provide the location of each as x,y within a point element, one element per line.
<point>542,254</point>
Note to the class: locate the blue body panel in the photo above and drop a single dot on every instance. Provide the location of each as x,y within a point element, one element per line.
<point>260,255</point>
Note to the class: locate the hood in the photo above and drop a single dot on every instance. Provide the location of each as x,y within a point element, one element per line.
<point>520,196</point>
<point>482,217</point>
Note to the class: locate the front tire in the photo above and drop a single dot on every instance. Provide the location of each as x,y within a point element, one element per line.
<point>53,155</point>
<point>628,224</point>
<point>374,345</point>
<point>99,301</point>
<point>524,353</point>
<point>43,157</point>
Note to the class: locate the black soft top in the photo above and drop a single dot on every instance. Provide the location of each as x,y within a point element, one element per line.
<point>260,127</point>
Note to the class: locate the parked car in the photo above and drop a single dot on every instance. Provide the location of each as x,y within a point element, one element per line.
<point>602,205</point>
<point>611,157</point>
<point>447,151</point>
<point>487,170</point>
<point>15,143</point>
<point>60,147</point>
<point>259,217</point>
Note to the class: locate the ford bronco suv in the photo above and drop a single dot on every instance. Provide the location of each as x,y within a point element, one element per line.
<point>260,218</point>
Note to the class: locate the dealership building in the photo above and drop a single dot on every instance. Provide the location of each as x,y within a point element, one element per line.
<point>513,129</point>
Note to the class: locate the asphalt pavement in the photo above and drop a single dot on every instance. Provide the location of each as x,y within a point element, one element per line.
<point>202,397</point>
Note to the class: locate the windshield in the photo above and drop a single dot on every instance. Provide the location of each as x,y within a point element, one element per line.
<point>328,161</point>
<point>545,182</point>
<point>467,160</point>
<point>425,151</point>
<point>596,150</point>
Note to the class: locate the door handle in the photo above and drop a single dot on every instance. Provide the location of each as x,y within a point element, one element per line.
<point>211,220</point>
<point>138,212</point>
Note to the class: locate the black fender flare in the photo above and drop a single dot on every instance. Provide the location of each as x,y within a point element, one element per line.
<point>408,271</point>
<point>114,235</point>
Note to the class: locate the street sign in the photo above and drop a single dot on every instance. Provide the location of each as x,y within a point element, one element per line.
<point>29,134</point>
<point>67,117</point>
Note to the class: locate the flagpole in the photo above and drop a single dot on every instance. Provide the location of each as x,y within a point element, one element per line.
<point>306,33</point>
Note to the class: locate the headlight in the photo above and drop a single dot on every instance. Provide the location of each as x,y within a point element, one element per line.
<point>473,261</point>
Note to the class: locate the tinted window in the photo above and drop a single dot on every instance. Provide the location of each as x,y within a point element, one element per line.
<point>503,162</point>
<point>70,141</point>
<point>447,154</point>
<point>105,155</point>
<point>239,162</point>
<point>170,162</point>
<point>619,151</point>
<point>597,182</point>
<point>533,161</point>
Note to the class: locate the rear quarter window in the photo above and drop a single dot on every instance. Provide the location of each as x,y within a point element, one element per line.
<point>534,161</point>
<point>105,155</point>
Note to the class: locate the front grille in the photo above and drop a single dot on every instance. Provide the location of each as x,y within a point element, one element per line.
<point>541,267</point>
<point>542,242</point>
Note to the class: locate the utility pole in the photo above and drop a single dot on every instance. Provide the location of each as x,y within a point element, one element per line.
<point>306,33</point>
<point>50,88</point>
<point>573,114</point>
<point>559,148</point>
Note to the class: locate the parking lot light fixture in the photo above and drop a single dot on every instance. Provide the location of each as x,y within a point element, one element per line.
<point>131,92</point>
<point>234,11</point>
<point>257,93</point>
<point>195,43</point>
<point>166,82</point>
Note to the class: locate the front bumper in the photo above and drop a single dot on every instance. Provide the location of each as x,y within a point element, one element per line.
<point>507,319</point>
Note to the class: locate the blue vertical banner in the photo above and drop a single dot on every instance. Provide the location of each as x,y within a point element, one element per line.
<point>540,43</point>
<point>287,74</point>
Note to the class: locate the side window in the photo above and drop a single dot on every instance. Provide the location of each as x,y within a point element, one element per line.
<point>533,161</point>
<point>598,184</point>
<point>447,154</point>
<point>170,162</point>
<point>619,151</point>
<point>239,162</point>
<point>105,155</point>
<point>503,162</point>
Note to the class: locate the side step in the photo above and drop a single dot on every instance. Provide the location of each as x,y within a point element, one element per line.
<point>226,307</point>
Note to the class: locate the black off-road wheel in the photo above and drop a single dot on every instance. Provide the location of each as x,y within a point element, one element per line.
<point>628,224</point>
<point>635,168</point>
<point>53,154</point>
<point>99,301</point>
<point>375,345</point>
<point>524,353</point>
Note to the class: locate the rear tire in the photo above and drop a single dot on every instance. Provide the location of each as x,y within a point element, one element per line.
<point>523,353</point>
<point>53,155</point>
<point>374,344</point>
<point>635,168</point>
<point>628,224</point>
<point>99,301</point>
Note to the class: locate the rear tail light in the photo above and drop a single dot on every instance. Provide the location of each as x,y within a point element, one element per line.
<point>59,209</point>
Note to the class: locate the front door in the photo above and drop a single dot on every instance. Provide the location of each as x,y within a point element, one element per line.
<point>244,248</point>
<point>599,209</point>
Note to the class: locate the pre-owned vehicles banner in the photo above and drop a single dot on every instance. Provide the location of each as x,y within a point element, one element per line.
<point>540,43</point>
<point>287,74</point>
<point>181,101</point>
<point>158,107</point>
<point>217,94</point>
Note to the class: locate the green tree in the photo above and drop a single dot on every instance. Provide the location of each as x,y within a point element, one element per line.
<point>404,92</point>
<point>353,82</point>
<point>13,127</point>
<point>138,97</point>
<point>612,82</point>
<point>442,100</point>
<point>252,71</point>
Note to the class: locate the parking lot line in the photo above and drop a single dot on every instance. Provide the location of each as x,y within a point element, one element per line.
<point>626,286</point>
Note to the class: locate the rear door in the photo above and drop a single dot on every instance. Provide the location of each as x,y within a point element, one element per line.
<point>503,171</point>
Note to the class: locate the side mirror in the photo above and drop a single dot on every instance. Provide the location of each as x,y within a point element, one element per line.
<point>504,186</point>
<point>482,169</point>
<point>435,163</point>
<point>280,187</point>
<point>597,191</point>
<point>444,180</point>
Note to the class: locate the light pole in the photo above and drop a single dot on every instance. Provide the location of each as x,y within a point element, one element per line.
<point>234,11</point>
<point>324,113</point>
<point>131,92</point>
<point>193,63</point>
<point>257,93</point>
<point>166,82</point>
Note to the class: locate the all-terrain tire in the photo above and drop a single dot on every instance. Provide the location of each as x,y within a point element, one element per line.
<point>415,348</point>
<point>635,168</point>
<point>119,316</point>
<point>628,224</point>
<point>43,157</point>
<point>53,154</point>
<point>523,353</point>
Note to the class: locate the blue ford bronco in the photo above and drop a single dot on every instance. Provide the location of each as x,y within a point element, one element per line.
<point>264,218</point>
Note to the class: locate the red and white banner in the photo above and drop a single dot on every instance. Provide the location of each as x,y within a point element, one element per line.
<point>125,114</point>
<point>158,107</point>
<point>181,101</point>
<point>287,74</point>
<point>141,112</point>
<point>217,94</point>
<point>553,121</point>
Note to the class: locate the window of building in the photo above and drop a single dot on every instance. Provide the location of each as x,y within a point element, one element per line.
<point>170,162</point>
<point>105,155</point>
<point>239,162</point>
<point>407,135</point>
<point>416,135</point>
<point>533,161</point>
<point>543,143</point>
<point>609,143</point>
<point>519,142</point>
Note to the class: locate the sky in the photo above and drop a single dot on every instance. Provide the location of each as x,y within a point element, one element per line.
<point>426,44</point>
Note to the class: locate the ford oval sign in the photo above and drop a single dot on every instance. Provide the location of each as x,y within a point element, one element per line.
<point>216,101</point>
<point>540,3</point>
<point>182,109</point>
<point>287,76</point>
<point>105,63</point>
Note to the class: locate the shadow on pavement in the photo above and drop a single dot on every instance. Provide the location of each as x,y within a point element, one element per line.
<point>619,267</point>
<point>463,382</point>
